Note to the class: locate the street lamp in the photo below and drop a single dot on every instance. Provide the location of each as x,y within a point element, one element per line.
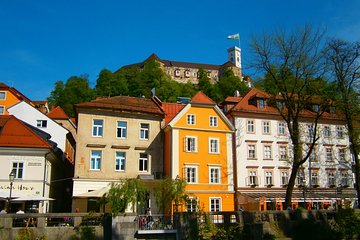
<point>11,179</point>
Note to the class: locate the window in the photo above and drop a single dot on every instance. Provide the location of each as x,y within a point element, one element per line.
<point>340,132</point>
<point>311,131</point>
<point>281,128</point>
<point>267,152</point>
<point>284,178</point>
<point>342,154</point>
<point>190,119</point>
<point>41,123</point>
<point>95,161</point>
<point>266,127</point>
<point>214,145</point>
<point>191,174</point>
<point>316,107</point>
<point>177,72</point>
<point>214,174</point>
<point>279,105</point>
<point>143,162</point>
<point>327,131</point>
<point>121,129</point>
<point>250,126</point>
<point>313,156</point>
<point>268,178</point>
<point>191,205</point>
<point>344,179</point>
<point>282,153</point>
<point>187,73</point>
<point>213,121</point>
<point>314,179</point>
<point>190,144</point>
<point>18,169</point>
<point>331,179</point>
<point>328,154</point>
<point>208,74</point>
<point>261,103</point>
<point>97,128</point>
<point>2,110</point>
<point>120,161</point>
<point>144,131</point>
<point>300,178</point>
<point>252,178</point>
<point>2,95</point>
<point>215,204</point>
<point>251,151</point>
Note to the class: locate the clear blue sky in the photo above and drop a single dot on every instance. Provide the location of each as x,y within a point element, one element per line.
<point>45,41</point>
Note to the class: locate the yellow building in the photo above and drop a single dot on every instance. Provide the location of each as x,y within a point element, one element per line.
<point>198,148</point>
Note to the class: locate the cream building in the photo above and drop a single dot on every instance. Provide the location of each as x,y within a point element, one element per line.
<point>117,138</point>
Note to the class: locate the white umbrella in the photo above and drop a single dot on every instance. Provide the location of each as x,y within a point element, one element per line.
<point>98,193</point>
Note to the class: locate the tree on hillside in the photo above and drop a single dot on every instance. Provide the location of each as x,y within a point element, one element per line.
<point>204,84</point>
<point>344,63</point>
<point>227,85</point>
<point>293,66</point>
<point>76,90</point>
<point>109,84</point>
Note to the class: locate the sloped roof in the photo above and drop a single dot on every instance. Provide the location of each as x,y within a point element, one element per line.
<point>14,91</point>
<point>124,103</point>
<point>57,113</point>
<point>15,133</point>
<point>171,110</point>
<point>200,97</point>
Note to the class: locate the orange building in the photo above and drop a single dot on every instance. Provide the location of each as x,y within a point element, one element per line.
<point>9,96</point>
<point>198,148</point>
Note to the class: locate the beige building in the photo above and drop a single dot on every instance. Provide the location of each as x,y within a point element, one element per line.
<point>184,72</point>
<point>117,138</point>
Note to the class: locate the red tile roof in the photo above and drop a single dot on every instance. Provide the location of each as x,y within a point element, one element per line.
<point>15,133</point>
<point>57,113</point>
<point>171,110</point>
<point>18,94</point>
<point>124,103</point>
<point>200,97</point>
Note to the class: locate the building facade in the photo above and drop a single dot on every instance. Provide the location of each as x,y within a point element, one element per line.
<point>117,138</point>
<point>198,149</point>
<point>264,150</point>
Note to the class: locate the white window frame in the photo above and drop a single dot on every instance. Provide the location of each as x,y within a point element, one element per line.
<point>327,131</point>
<point>121,129</point>
<point>191,174</point>
<point>190,119</point>
<point>187,73</point>
<point>311,131</point>
<point>213,121</point>
<point>120,161</point>
<point>300,177</point>
<point>329,154</point>
<point>313,155</point>
<point>251,151</point>
<point>267,151</point>
<point>250,126</point>
<point>4,98</point>
<point>281,128</point>
<point>252,175</point>
<point>192,204</point>
<point>144,131</point>
<point>266,127</point>
<point>143,162</point>
<point>215,204</point>
<point>331,178</point>
<point>177,72</point>
<point>17,169</point>
<point>95,160</point>
<point>284,178</point>
<point>261,103</point>
<point>342,154</point>
<point>190,144</point>
<point>344,181</point>
<point>340,132</point>
<point>283,152</point>
<point>97,130</point>
<point>214,145</point>
<point>314,178</point>
<point>214,175</point>
<point>269,178</point>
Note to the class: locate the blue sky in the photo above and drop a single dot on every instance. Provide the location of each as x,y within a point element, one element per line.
<point>42,41</point>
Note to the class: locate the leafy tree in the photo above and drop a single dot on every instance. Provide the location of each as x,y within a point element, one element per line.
<point>293,68</point>
<point>344,64</point>
<point>127,192</point>
<point>204,84</point>
<point>76,90</point>
<point>169,191</point>
<point>228,84</point>
<point>109,84</point>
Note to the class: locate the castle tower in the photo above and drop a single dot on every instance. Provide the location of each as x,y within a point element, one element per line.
<point>234,56</point>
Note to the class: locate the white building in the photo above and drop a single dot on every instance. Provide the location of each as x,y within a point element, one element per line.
<point>263,156</point>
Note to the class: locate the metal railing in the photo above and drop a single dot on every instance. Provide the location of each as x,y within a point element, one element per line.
<point>154,222</point>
